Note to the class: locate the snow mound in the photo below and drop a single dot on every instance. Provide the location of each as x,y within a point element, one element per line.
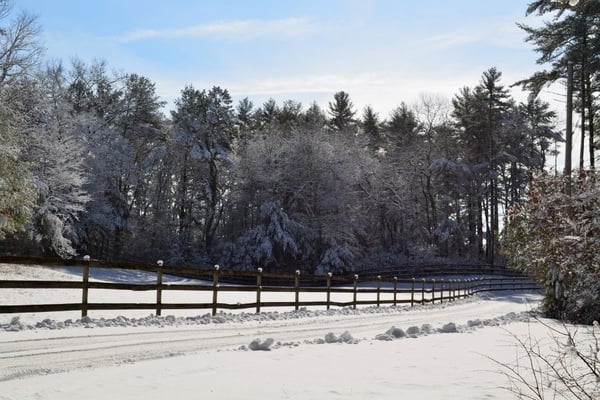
<point>413,331</point>
<point>391,334</point>
<point>257,345</point>
<point>345,337</point>
<point>450,327</point>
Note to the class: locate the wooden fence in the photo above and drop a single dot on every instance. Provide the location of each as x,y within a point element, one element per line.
<point>379,290</point>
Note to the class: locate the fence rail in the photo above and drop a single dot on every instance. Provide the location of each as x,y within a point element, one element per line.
<point>380,290</point>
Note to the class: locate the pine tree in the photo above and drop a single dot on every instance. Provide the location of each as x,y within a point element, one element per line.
<point>341,113</point>
<point>481,113</point>
<point>402,125</point>
<point>571,36</point>
<point>370,126</point>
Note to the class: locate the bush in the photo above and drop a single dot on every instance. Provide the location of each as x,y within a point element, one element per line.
<point>556,238</point>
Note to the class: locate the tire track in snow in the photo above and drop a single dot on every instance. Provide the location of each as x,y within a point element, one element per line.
<point>94,348</point>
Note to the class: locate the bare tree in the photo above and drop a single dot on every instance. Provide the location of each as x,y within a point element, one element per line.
<point>20,50</point>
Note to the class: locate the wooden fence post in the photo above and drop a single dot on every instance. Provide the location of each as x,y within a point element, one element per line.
<point>297,288</point>
<point>355,290</point>
<point>258,288</point>
<point>395,290</point>
<point>329,274</point>
<point>412,293</point>
<point>442,290</point>
<point>423,291</point>
<point>86,281</point>
<point>159,282</point>
<point>215,289</point>
<point>378,290</point>
<point>433,291</point>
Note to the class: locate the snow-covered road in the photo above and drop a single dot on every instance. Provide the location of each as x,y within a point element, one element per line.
<point>43,351</point>
<point>432,351</point>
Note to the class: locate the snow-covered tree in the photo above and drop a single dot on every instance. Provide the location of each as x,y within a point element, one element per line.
<point>316,178</point>
<point>276,243</point>
<point>555,237</point>
<point>203,128</point>
<point>16,184</point>
<point>57,154</point>
<point>19,54</point>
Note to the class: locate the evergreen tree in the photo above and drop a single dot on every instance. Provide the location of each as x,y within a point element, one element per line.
<point>245,119</point>
<point>341,113</point>
<point>402,125</point>
<point>290,116</point>
<point>480,113</point>
<point>370,126</point>
<point>571,36</point>
<point>314,118</point>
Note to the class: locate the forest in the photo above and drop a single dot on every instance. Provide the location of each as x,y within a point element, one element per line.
<point>91,163</point>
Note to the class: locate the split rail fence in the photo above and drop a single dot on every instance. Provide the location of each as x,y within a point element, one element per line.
<point>368,291</point>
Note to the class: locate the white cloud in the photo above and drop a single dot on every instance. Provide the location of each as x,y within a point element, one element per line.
<point>241,29</point>
<point>501,33</point>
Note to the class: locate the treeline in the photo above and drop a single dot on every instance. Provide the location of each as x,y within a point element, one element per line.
<point>104,173</point>
<point>91,165</point>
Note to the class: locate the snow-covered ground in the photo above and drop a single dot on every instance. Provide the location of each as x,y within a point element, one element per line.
<point>426,352</point>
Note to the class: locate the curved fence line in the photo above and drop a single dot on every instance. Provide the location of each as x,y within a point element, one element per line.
<point>324,291</point>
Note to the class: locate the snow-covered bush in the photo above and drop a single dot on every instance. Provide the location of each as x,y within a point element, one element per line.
<point>556,238</point>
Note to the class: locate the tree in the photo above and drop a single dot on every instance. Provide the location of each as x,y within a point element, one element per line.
<point>315,178</point>
<point>402,125</point>
<point>19,53</point>
<point>290,116</point>
<point>341,113</point>
<point>571,36</point>
<point>16,184</point>
<point>267,116</point>
<point>276,243</point>
<point>480,114</point>
<point>20,50</point>
<point>314,118</point>
<point>244,119</point>
<point>370,126</point>
<point>203,132</point>
<point>57,154</point>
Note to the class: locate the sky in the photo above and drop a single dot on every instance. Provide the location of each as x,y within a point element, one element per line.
<point>382,52</point>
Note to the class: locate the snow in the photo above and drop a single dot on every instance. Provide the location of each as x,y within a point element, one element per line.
<point>431,351</point>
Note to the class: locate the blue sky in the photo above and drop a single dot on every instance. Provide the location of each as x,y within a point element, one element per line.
<point>382,52</point>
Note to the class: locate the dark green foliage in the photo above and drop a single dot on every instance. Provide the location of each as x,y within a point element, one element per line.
<point>341,113</point>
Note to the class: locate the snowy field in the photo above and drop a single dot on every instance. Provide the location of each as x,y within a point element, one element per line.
<point>427,352</point>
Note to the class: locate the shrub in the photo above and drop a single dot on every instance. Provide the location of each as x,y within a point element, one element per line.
<point>555,237</point>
